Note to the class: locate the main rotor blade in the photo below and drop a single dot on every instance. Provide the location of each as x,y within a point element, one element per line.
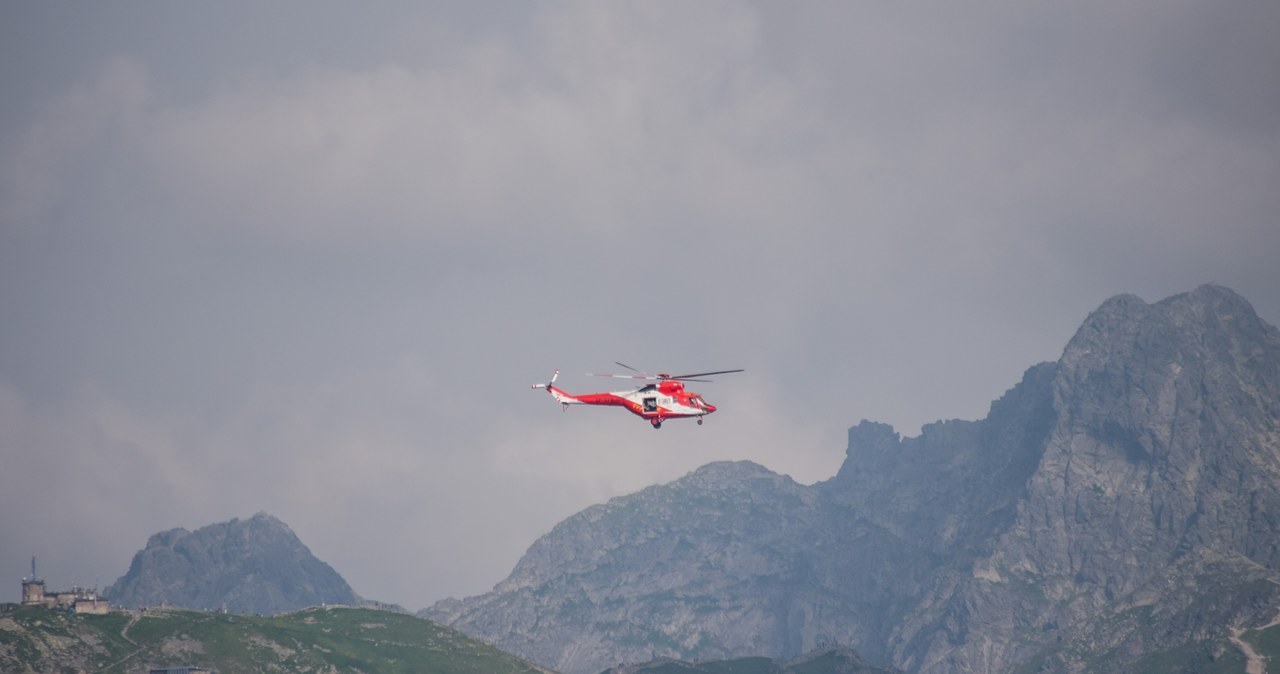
<point>623,376</point>
<point>640,374</point>
<point>689,377</point>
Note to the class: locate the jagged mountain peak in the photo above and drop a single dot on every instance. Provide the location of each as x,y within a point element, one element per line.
<point>256,565</point>
<point>1209,316</point>
<point>1140,376</point>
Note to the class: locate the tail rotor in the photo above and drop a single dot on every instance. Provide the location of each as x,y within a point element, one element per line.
<point>549,384</point>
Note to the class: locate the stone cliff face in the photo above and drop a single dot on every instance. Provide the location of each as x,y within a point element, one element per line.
<point>1119,503</point>
<point>1158,486</point>
<point>246,566</point>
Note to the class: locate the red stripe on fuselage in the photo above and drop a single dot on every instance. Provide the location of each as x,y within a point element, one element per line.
<point>604,399</point>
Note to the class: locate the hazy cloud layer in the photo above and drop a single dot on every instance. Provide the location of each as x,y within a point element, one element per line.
<point>307,259</point>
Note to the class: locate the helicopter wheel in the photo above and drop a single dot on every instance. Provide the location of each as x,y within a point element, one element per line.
<point>656,424</point>
<point>699,421</point>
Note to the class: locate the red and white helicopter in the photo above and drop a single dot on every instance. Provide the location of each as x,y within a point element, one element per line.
<point>667,399</point>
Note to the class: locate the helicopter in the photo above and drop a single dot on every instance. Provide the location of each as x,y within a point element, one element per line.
<point>655,403</point>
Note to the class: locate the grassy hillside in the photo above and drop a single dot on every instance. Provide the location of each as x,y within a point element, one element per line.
<point>1214,656</point>
<point>37,640</point>
<point>34,639</point>
<point>1265,642</point>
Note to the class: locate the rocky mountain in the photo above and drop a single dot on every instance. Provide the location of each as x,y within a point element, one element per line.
<point>1118,509</point>
<point>253,566</point>
<point>705,567</point>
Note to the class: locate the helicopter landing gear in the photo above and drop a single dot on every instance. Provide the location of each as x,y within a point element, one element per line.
<point>699,421</point>
<point>657,423</point>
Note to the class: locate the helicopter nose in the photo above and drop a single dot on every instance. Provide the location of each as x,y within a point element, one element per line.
<point>709,407</point>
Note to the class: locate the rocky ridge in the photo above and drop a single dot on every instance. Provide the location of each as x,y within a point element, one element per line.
<point>1116,505</point>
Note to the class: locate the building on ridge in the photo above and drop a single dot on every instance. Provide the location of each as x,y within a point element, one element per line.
<point>33,587</point>
<point>77,600</point>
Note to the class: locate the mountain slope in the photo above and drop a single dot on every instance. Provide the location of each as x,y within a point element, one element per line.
<point>1134,482</point>
<point>669,565</point>
<point>34,639</point>
<point>256,565</point>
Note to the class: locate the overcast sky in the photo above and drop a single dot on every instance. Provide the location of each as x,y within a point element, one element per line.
<point>306,258</point>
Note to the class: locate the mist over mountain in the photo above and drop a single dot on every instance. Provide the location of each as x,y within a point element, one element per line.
<point>1117,508</point>
<point>253,566</point>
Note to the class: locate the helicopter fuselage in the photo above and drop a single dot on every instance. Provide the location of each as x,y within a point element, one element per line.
<point>655,402</point>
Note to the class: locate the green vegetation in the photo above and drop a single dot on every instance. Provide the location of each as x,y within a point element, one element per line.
<point>833,660</point>
<point>1265,642</point>
<point>34,639</point>
<point>736,666</point>
<point>1204,657</point>
<point>1192,659</point>
<point>741,666</point>
<point>33,634</point>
